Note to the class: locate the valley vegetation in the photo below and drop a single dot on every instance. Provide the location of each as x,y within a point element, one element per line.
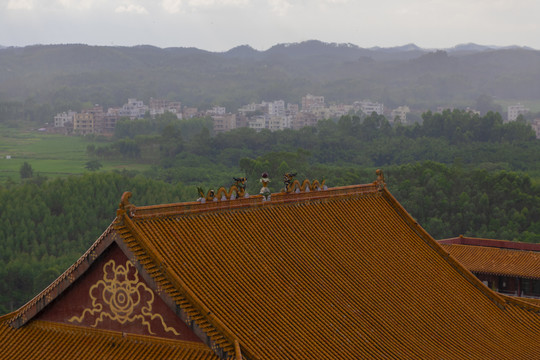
<point>456,173</point>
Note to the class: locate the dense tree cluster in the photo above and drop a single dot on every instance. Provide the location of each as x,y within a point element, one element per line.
<point>44,228</point>
<point>352,140</point>
<point>449,201</point>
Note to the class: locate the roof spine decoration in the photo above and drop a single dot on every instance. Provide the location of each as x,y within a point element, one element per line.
<point>380,182</point>
<point>295,186</point>
<point>236,191</point>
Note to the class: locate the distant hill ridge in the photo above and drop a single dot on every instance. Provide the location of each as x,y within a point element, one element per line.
<point>469,47</point>
<point>402,75</point>
<point>312,45</point>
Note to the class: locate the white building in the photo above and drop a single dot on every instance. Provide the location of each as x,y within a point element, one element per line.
<point>276,108</point>
<point>337,111</point>
<point>257,123</point>
<point>368,107</point>
<point>292,109</point>
<point>250,108</point>
<point>161,106</point>
<point>536,127</point>
<point>66,117</point>
<point>515,110</point>
<point>279,123</point>
<point>311,103</point>
<point>400,114</point>
<point>134,109</point>
<point>218,111</point>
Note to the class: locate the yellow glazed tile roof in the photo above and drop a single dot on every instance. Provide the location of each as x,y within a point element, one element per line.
<point>492,260</point>
<point>343,273</point>
<point>45,340</point>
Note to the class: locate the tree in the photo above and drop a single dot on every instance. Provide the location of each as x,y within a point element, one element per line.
<point>93,165</point>
<point>26,171</point>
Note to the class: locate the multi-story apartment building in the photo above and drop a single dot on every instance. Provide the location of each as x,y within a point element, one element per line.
<point>368,107</point>
<point>242,120</point>
<point>217,110</point>
<point>311,103</point>
<point>279,122</point>
<point>536,127</point>
<point>224,123</point>
<point>400,114</point>
<point>258,123</point>
<point>134,109</point>
<point>157,104</point>
<point>337,111</point>
<point>161,106</point>
<point>276,108</point>
<point>83,123</point>
<point>60,120</point>
<point>303,119</point>
<point>176,108</point>
<point>190,112</point>
<point>110,119</point>
<point>251,108</point>
<point>515,110</point>
<point>98,116</point>
<point>292,109</point>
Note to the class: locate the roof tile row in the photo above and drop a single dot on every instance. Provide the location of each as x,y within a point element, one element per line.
<point>60,341</point>
<point>333,277</point>
<point>492,260</point>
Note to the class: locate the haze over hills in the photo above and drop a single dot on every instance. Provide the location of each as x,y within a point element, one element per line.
<point>406,75</point>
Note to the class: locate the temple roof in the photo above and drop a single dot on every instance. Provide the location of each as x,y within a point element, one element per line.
<point>492,243</point>
<point>46,340</point>
<point>495,256</point>
<point>339,273</point>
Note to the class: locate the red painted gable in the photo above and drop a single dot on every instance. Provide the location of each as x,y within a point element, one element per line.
<point>112,295</point>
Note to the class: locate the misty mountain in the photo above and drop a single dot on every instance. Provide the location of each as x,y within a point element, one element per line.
<point>62,75</point>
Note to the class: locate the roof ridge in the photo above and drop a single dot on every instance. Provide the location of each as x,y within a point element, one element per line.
<point>47,295</point>
<point>431,242</point>
<point>206,315</point>
<point>248,202</point>
<point>492,248</point>
<point>493,243</point>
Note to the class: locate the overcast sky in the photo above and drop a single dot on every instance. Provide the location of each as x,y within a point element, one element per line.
<point>218,25</point>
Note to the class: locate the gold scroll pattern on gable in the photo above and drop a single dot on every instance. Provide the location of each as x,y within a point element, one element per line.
<point>121,297</point>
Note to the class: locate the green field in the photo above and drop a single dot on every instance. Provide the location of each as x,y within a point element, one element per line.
<point>50,155</point>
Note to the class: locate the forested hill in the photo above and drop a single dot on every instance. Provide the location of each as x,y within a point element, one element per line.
<point>66,74</point>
